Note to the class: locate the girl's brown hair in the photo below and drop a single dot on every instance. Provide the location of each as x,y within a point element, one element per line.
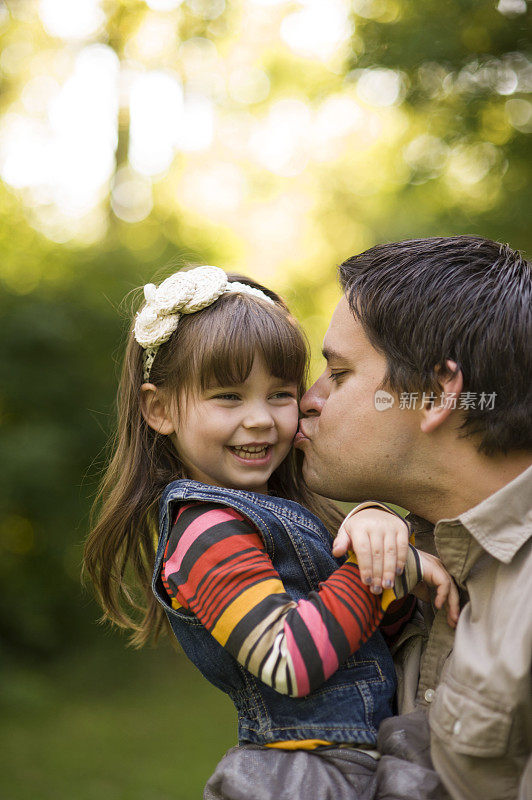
<point>217,344</point>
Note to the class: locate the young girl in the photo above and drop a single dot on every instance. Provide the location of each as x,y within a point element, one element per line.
<point>243,570</point>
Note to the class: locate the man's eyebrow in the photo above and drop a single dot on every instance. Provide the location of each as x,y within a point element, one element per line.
<point>333,355</point>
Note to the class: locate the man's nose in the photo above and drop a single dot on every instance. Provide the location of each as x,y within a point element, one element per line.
<point>313,400</point>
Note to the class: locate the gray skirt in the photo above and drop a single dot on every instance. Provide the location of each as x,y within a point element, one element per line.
<point>252,772</point>
<point>404,771</point>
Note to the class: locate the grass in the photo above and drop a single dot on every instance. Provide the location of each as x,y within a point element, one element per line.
<point>112,724</point>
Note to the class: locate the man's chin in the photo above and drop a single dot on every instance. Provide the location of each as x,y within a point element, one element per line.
<point>324,480</point>
<point>313,476</point>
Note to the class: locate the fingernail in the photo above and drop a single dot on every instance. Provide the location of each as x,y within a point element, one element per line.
<point>367,580</point>
<point>399,570</point>
<point>376,589</point>
<point>387,584</point>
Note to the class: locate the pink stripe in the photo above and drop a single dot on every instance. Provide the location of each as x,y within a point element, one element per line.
<point>320,636</point>
<point>303,685</point>
<point>191,533</point>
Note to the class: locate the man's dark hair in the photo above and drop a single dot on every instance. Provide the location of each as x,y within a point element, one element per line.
<point>463,298</point>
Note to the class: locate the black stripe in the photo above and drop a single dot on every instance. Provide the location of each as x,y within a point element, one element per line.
<point>289,689</point>
<point>288,682</point>
<point>195,510</point>
<point>274,670</point>
<point>419,568</point>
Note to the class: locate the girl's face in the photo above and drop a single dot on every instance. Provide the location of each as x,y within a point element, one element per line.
<point>236,436</point>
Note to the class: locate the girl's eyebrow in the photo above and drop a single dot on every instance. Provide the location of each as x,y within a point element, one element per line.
<point>283,381</point>
<point>275,379</point>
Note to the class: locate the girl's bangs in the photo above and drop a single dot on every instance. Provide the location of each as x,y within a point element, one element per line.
<point>234,330</point>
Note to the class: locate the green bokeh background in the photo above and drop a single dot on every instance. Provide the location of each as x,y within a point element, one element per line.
<point>82,715</point>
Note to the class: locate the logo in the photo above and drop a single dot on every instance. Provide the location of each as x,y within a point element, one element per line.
<point>383,400</point>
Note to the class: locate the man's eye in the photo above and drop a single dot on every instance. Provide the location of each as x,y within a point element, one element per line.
<point>335,375</point>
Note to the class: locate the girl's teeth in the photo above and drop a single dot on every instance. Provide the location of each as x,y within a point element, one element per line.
<point>251,452</point>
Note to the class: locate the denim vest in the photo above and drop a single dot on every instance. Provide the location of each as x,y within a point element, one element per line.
<point>349,706</point>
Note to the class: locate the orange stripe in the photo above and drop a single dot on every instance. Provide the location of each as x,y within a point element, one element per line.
<point>299,744</point>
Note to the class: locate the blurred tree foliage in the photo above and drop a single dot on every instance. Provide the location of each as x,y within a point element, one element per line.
<point>443,146</point>
<point>466,71</point>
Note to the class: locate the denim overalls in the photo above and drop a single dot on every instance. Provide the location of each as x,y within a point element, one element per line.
<point>350,705</point>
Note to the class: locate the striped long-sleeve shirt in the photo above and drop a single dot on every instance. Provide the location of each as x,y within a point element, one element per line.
<point>215,565</point>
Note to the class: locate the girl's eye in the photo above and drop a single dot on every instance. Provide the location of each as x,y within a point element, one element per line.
<point>284,394</point>
<point>226,397</point>
<point>335,375</point>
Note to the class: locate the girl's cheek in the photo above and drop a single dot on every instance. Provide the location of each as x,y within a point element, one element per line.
<point>295,419</point>
<point>291,430</point>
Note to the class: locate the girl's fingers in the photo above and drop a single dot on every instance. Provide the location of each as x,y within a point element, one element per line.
<point>442,582</point>
<point>389,561</point>
<point>446,590</point>
<point>376,547</point>
<point>360,544</point>
<point>341,543</point>
<point>453,605</point>
<point>362,550</point>
<point>402,548</point>
<point>447,593</point>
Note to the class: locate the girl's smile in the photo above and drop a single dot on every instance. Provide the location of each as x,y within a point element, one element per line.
<point>253,452</point>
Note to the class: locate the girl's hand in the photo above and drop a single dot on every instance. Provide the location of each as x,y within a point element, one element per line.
<point>379,540</point>
<point>435,574</point>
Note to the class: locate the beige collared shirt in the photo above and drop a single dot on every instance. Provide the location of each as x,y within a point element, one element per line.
<point>476,682</point>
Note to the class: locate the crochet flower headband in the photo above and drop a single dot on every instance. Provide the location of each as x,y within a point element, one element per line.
<point>181,293</point>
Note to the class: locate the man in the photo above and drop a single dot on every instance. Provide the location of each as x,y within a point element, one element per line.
<point>426,402</point>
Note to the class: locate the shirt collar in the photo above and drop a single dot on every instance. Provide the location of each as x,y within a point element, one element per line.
<point>502,522</point>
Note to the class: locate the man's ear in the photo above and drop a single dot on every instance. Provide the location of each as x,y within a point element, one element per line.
<point>154,409</point>
<point>452,385</point>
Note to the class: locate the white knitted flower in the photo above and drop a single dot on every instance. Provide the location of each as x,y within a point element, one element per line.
<point>181,293</point>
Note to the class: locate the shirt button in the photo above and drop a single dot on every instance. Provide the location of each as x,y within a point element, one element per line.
<point>429,695</point>
<point>457,727</point>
